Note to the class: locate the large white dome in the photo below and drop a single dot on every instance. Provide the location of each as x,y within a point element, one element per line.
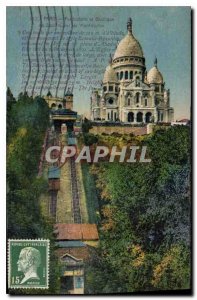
<point>128,46</point>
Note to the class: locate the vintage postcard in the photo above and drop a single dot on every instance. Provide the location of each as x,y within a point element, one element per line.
<point>98,150</point>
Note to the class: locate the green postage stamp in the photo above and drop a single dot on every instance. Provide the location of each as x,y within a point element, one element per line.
<point>28,263</point>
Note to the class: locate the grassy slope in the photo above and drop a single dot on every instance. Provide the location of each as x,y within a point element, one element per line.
<point>91,193</point>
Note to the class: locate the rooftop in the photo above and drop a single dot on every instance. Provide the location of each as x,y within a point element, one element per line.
<point>53,173</point>
<point>64,111</point>
<point>78,232</point>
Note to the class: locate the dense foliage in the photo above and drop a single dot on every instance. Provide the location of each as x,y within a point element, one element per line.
<point>27,121</point>
<point>145,230</point>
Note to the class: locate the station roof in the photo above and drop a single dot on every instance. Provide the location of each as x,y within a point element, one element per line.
<point>54,173</point>
<point>64,111</point>
<point>80,232</point>
<point>70,244</point>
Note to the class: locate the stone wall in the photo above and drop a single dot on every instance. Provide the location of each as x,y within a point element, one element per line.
<point>119,129</point>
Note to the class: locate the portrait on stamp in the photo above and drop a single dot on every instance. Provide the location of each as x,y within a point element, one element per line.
<point>28,263</point>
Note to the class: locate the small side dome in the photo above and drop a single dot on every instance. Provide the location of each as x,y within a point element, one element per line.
<point>154,75</point>
<point>110,75</point>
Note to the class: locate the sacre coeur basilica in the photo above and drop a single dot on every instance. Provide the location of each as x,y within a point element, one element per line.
<point>129,93</point>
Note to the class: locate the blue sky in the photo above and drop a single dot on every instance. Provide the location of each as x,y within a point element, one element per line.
<point>161,31</point>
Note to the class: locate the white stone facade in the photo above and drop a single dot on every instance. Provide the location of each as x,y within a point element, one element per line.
<point>128,93</point>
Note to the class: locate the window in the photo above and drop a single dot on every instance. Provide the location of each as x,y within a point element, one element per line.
<point>135,72</point>
<point>137,81</point>
<point>148,117</point>
<point>156,89</point>
<point>78,283</point>
<point>139,117</point>
<point>145,102</point>
<point>137,97</point>
<point>53,106</point>
<point>111,101</point>
<point>130,117</point>
<point>121,75</point>
<point>131,74</point>
<point>104,88</point>
<point>129,101</point>
<point>117,74</point>
<point>111,88</point>
<point>126,74</point>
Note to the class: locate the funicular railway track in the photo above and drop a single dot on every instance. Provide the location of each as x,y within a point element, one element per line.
<point>75,193</point>
<point>55,139</point>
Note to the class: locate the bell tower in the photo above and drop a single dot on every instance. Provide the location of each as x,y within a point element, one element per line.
<point>68,100</point>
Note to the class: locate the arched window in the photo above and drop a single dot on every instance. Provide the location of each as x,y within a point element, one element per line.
<point>121,75</point>
<point>59,106</point>
<point>145,102</point>
<point>53,105</point>
<point>137,81</point>
<point>108,116</point>
<point>117,74</point>
<point>129,101</point>
<point>148,117</point>
<point>126,74</point>
<point>115,116</point>
<point>130,117</point>
<point>131,75</point>
<point>139,117</point>
<point>137,97</point>
<point>78,283</point>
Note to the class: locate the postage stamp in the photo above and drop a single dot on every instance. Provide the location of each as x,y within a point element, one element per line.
<point>28,263</point>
